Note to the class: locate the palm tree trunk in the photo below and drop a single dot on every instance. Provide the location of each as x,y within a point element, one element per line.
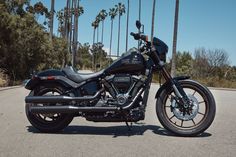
<point>52,18</point>
<point>102,30</point>
<point>67,24</point>
<point>96,53</point>
<point>118,44</point>
<point>77,28</point>
<point>94,32</point>
<point>153,20</point>
<point>66,14</point>
<point>111,39</point>
<point>97,34</point>
<point>173,64</point>
<point>139,13</point>
<point>60,34</point>
<point>70,27</point>
<point>127,28</point>
<point>139,18</point>
<point>75,32</point>
<point>66,27</point>
<point>101,42</point>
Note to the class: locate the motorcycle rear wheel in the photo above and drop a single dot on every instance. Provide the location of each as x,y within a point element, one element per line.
<point>48,122</point>
<point>194,124</point>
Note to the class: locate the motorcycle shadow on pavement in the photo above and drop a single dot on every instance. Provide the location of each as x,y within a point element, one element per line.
<point>115,131</point>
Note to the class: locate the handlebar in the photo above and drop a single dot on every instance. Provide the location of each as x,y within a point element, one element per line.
<point>138,36</point>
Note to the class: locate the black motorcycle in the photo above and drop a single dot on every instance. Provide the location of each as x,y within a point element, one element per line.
<point>119,93</point>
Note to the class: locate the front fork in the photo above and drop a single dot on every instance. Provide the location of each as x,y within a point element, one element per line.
<point>178,90</point>
<point>148,82</point>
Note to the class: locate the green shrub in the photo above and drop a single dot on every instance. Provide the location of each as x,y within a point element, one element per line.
<point>3,79</point>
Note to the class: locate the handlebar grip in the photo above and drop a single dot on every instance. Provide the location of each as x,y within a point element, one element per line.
<point>132,34</point>
<point>143,37</point>
<point>138,36</point>
<point>135,35</point>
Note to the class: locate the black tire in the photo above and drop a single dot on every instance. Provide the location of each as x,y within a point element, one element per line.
<point>43,125</point>
<point>168,122</point>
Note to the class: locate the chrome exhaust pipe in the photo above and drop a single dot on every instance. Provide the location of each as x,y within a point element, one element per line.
<point>76,109</point>
<point>59,98</point>
<point>68,109</point>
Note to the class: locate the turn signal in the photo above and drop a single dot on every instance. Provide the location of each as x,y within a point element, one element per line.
<point>146,38</point>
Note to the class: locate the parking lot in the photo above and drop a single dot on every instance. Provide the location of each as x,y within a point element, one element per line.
<point>82,138</point>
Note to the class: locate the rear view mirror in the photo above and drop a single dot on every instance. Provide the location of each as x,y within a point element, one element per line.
<point>138,24</point>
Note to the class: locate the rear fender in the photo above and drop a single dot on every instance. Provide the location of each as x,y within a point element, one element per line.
<point>49,76</point>
<point>169,85</point>
<point>32,83</point>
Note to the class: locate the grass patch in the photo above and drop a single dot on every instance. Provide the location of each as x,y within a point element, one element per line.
<point>213,82</point>
<point>209,81</point>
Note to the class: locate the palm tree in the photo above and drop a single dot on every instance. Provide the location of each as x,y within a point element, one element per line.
<point>173,62</point>
<point>127,28</point>
<point>70,25</point>
<point>61,20</point>
<point>78,11</point>
<point>51,18</point>
<point>112,14</point>
<point>94,25</point>
<point>121,10</point>
<point>139,18</point>
<point>67,15</point>
<point>103,15</point>
<point>98,20</point>
<point>139,8</point>
<point>153,19</point>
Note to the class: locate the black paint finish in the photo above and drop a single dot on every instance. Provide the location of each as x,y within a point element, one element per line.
<point>130,63</point>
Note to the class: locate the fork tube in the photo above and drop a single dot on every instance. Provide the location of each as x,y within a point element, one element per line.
<point>177,89</point>
<point>165,73</point>
<point>148,84</point>
<point>168,77</point>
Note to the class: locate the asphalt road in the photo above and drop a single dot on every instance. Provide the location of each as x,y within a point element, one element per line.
<point>82,138</point>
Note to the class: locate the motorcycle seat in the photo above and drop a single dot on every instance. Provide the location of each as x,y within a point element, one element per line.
<point>80,77</point>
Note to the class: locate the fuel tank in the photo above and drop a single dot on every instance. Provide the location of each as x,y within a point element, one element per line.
<point>130,62</point>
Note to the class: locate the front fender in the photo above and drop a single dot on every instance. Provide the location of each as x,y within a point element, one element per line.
<point>168,84</point>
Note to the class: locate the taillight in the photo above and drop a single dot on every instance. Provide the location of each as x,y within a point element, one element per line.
<point>50,78</point>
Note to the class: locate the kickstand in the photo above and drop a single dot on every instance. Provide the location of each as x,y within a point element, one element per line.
<point>129,126</point>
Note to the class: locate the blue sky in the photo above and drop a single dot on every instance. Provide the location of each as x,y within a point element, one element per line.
<point>202,23</point>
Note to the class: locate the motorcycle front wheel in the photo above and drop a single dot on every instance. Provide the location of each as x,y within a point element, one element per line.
<point>191,121</point>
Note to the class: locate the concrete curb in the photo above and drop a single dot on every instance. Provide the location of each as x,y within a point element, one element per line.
<point>11,87</point>
<point>218,88</point>
<point>211,88</point>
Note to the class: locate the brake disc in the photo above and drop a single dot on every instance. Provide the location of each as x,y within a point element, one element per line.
<point>192,110</point>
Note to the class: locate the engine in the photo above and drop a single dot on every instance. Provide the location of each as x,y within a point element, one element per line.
<point>123,87</point>
<point>122,83</point>
<point>120,90</point>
